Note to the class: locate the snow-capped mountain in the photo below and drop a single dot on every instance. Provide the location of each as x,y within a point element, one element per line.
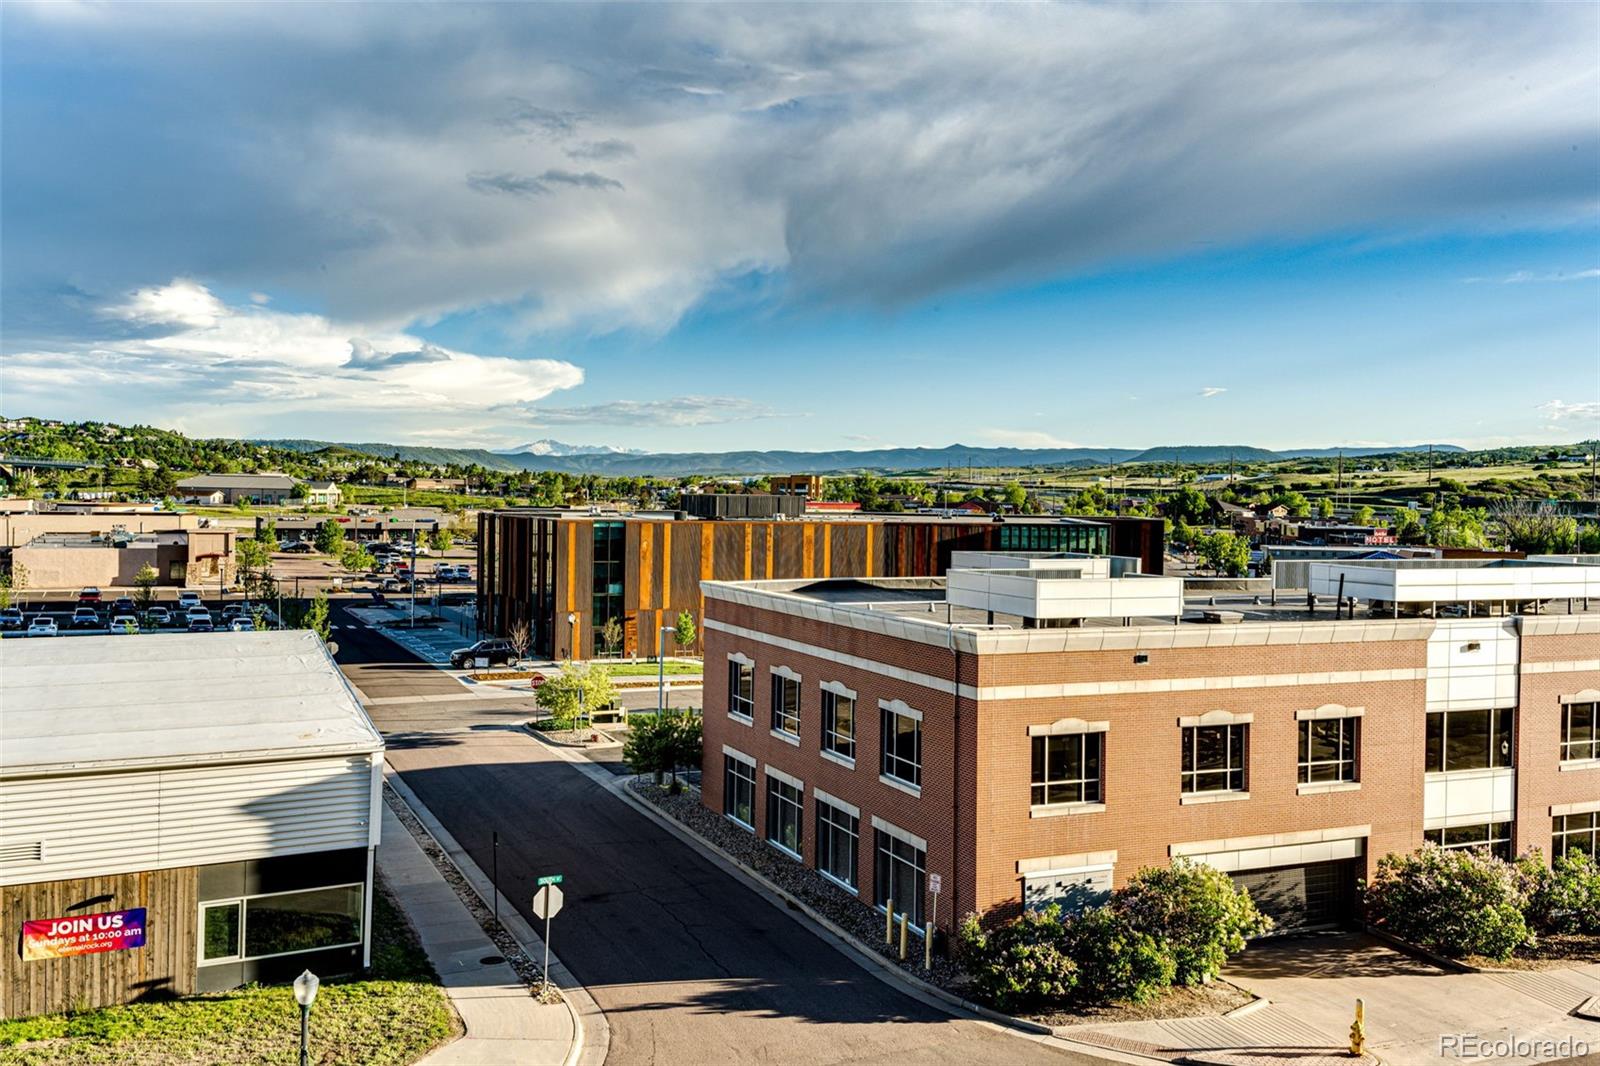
<point>555,447</point>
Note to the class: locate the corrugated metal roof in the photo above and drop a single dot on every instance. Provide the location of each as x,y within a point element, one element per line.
<point>81,704</point>
<point>238,481</point>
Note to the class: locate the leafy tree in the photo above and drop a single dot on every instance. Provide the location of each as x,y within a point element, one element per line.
<point>578,687</point>
<point>1456,901</point>
<point>355,558</point>
<point>1563,897</point>
<point>316,619</point>
<point>611,635</point>
<point>329,536</point>
<point>659,744</point>
<point>1455,527</point>
<point>440,540</point>
<point>5,591</point>
<point>254,562</point>
<point>268,534</point>
<point>1324,508</point>
<point>684,633</point>
<point>258,617</point>
<point>145,582</point>
<point>1013,495</point>
<point>1225,552</point>
<point>1196,911</point>
<point>1408,526</point>
<point>1362,516</point>
<point>25,483</point>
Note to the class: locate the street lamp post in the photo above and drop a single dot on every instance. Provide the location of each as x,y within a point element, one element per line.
<point>305,994</point>
<point>661,670</point>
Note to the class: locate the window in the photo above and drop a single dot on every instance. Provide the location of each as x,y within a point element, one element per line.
<point>786,704</point>
<point>1213,758</point>
<point>741,689</point>
<point>610,567</point>
<point>282,923</point>
<point>739,791</point>
<point>1580,731</point>
<point>1576,832</point>
<point>1468,740</point>
<point>901,730</point>
<point>838,841</point>
<point>1072,890</point>
<point>1496,836</point>
<point>785,814</point>
<point>1328,749</point>
<point>901,876</point>
<point>219,925</point>
<point>839,723</point>
<point>1066,769</point>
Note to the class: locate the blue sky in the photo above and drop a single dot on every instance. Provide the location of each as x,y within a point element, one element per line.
<point>708,228</point>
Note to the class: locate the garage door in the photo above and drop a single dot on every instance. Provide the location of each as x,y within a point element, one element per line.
<point>1299,897</point>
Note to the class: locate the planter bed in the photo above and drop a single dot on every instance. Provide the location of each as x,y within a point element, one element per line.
<point>865,924</point>
<point>1553,952</point>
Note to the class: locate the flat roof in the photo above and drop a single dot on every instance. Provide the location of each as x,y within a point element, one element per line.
<point>237,481</point>
<point>86,704</point>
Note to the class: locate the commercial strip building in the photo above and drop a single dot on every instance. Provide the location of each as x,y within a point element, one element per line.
<point>182,815</point>
<point>1036,729</point>
<point>249,488</point>
<point>186,558</point>
<point>401,522</point>
<point>567,572</point>
<point>22,527</point>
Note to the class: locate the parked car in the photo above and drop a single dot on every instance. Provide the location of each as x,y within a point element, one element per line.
<point>383,547</point>
<point>124,623</point>
<point>123,605</point>
<point>42,626</point>
<point>460,573</point>
<point>158,616</point>
<point>240,609</point>
<point>11,618</point>
<point>201,623</point>
<point>396,584</point>
<point>298,547</point>
<point>242,625</point>
<point>188,598</point>
<point>498,652</point>
<point>421,549</point>
<point>85,618</point>
<point>89,595</point>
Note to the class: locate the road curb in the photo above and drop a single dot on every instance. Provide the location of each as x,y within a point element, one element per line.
<point>799,911</point>
<point>591,1031</point>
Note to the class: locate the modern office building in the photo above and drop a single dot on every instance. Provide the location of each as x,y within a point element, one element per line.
<point>568,572</point>
<point>1035,729</point>
<point>180,814</point>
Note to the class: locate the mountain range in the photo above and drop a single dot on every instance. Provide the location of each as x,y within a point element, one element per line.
<point>555,447</point>
<point>616,463</point>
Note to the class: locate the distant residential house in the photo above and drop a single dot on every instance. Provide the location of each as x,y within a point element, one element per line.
<point>323,494</point>
<point>252,488</point>
<point>436,484</point>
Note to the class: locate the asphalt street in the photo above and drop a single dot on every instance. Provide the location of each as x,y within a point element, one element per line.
<point>689,965</point>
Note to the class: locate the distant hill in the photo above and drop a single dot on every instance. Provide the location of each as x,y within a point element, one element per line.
<point>888,460</point>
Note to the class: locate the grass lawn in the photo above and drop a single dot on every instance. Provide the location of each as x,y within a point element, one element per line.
<point>648,669</point>
<point>393,1017</point>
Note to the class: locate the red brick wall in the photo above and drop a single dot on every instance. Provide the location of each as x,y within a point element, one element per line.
<point>1540,781</point>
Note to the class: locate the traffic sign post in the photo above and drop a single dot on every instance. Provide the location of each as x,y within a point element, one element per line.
<point>546,905</point>
<point>934,884</point>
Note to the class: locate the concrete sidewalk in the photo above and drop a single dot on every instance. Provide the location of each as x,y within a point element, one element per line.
<point>505,1025</point>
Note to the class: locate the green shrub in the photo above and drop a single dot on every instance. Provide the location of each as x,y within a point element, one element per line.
<point>1563,897</point>
<point>1195,911</point>
<point>659,744</point>
<point>1456,902</point>
<point>1115,961</point>
<point>1022,964</point>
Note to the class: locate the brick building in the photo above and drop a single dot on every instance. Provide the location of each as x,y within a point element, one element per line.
<point>1033,735</point>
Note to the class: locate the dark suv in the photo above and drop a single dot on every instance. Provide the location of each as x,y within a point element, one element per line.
<point>498,652</point>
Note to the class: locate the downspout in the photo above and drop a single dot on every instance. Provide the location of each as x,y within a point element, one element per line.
<point>955,793</point>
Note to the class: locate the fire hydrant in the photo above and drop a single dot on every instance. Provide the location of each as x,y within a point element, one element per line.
<point>1358,1030</point>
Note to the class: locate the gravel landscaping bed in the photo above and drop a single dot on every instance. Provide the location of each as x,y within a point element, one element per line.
<point>529,970</point>
<point>1553,952</point>
<point>865,924</point>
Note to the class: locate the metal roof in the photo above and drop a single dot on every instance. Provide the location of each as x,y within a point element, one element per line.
<point>238,481</point>
<point>86,704</point>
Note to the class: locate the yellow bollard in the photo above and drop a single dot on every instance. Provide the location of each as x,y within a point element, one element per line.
<point>888,922</point>
<point>1358,1030</point>
<point>905,928</point>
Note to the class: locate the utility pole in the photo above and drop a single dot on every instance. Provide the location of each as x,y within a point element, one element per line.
<point>1430,466</point>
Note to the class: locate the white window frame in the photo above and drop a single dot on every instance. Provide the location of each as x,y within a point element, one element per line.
<point>739,757</point>
<point>1304,763</point>
<point>1082,737</point>
<point>744,662</point>
<point>1243,723</point>
<point>782,678</point>
<point>777,777</point>
<point>898,709</point>
<point>832,690</point>
<point>851,811</point>
<point>1567,708</point>
<point>243,903</point>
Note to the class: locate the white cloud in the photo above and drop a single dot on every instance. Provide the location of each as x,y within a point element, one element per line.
<point>1524,276</point>
<point>1212,390</point>
<point>1579,411</point>
<point>875,154</point>
<point>672,411</point>
<point>217,368</point>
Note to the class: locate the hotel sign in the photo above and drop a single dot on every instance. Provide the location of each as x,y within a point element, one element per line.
<point>88,934</point>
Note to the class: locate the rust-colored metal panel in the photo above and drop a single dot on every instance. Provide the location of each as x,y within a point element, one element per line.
<point>749,539</point>
<point>847,550</point>
<point>790,542</point>
<point>868,558</point>
<point>708,551</point>
<point>767,553</point>
<point>646,564</point>
<point>666,565</point>
<point>808,537</point>
<point>728,544</point>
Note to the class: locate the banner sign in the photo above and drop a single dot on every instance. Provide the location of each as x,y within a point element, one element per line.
<point>89,934</point>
